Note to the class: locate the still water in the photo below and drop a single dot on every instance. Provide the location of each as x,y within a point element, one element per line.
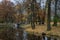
<point>25,36</point>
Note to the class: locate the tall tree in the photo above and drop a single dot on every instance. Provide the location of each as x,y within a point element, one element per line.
<point>49,15</point>
<point>19,14</point>
<point>7,10</point>
<point>55,15</point>
<point>20,8</point>
<point>33,14</point>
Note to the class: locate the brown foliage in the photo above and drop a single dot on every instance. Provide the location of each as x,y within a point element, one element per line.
<point>6,9</point>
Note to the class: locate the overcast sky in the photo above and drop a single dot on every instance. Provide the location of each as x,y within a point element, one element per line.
<point>42,4</point>
<point>22,1</point>
<point>16,0</point>
<point>0,0</point>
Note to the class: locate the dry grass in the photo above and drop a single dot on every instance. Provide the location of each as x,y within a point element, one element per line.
<point>43,28</point>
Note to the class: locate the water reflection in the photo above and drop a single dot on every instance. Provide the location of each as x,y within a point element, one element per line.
<point>45,38</point>
<point>17,36</point>
<point>25,35</point>
<point>17,33</point>
<point>15,26</point>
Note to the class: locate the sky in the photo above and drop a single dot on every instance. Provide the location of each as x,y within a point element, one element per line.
<point>0,0</point>
<point>22,1</point>
<point>14,1</point>
<point>42,4</point>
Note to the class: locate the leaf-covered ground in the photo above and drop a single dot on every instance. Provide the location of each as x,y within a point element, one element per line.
<point>43,28</point>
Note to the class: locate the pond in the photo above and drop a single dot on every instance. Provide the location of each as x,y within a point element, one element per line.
<point>13,33</point>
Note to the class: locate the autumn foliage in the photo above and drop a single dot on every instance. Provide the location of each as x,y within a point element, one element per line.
<point>6,10</point>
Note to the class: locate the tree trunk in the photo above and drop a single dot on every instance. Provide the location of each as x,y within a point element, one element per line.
<point>49,15</point>
<point>55,16</point>
<point>33,14</point>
